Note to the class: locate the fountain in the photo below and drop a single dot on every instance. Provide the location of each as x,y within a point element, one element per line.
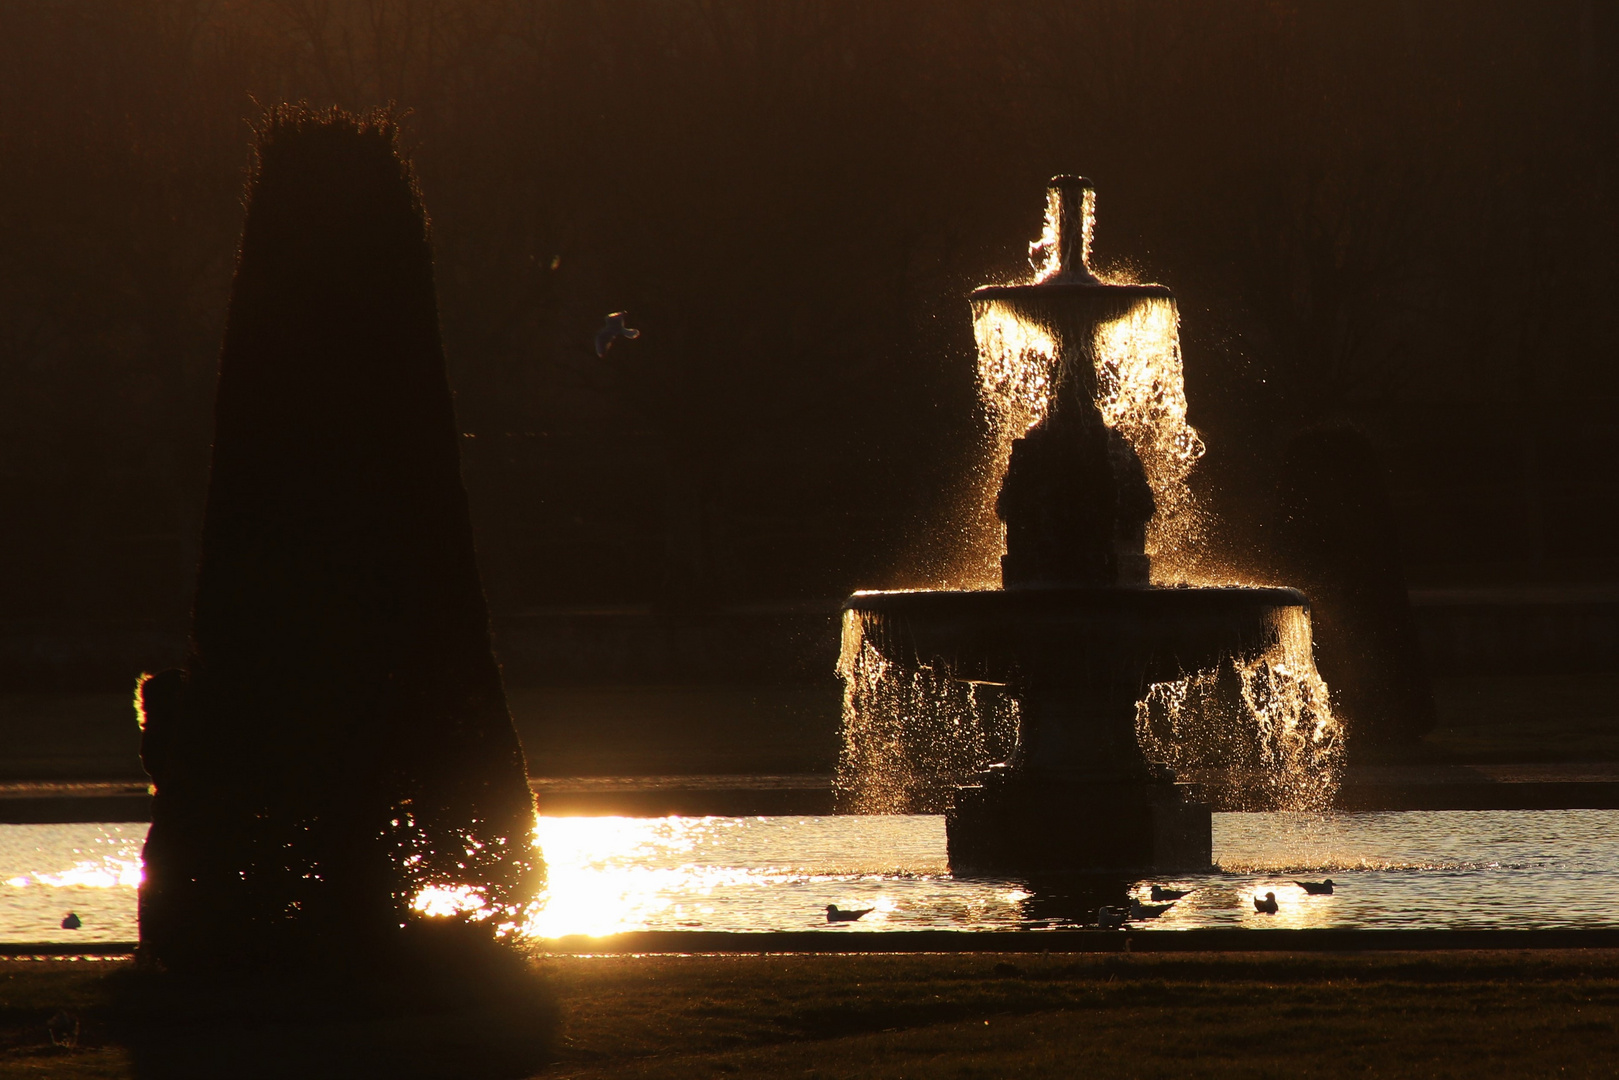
<point>1084,648</point>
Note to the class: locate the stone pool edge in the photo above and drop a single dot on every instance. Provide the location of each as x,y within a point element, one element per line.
<point>1368,788</point>
<point>1079,941</point>
<point>686,942</point>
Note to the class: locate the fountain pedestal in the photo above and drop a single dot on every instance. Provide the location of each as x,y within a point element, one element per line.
<point>1063,825</point>
<point>1078,793</point>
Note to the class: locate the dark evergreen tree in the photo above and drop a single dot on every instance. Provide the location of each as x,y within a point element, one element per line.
<point>340,737</point>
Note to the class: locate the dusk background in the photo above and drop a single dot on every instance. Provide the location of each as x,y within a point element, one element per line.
<point>1400,216</point>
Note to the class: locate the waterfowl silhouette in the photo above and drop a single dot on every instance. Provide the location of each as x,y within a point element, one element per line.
<point>63,1029</point>
<point>1161,893</point>
<point>612,330</point>
<point>1266,906</point>
<point>1316,888</point>
<point>833,914</point>
<point>1138,910</point>
<point>72,922</point>
<point>1110,918</point>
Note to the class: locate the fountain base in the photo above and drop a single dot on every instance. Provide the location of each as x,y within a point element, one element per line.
<point>1078,795</point>
<point>1061,826</point>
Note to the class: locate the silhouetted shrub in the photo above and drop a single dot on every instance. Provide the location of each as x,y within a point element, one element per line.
<point>343,739</point>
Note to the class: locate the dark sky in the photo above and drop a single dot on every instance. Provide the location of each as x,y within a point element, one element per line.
<point>1397,214</point>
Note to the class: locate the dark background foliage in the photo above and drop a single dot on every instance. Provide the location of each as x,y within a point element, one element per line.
<point>1400,215</point>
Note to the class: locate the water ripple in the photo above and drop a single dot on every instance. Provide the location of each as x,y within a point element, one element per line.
<point>1412,870</point>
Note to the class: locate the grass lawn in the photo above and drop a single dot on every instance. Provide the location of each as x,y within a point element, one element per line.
<point>1425,1015</point>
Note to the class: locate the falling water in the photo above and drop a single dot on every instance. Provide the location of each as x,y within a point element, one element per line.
<point>1017,367</point>
<point>1257,733</point>
<point>1141,392</point>
<point>912,734</point>
<point>1254,732</point>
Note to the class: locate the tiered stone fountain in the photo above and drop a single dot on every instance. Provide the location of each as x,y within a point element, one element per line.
<point>1076,632</point>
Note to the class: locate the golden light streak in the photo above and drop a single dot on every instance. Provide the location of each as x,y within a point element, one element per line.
<point>106,873</point>
<point>444,901</point>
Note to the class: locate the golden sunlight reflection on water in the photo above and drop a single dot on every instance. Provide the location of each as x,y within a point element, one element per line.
<point>49,870</point>
<point>1412,870</point>
<point>611,874</point>
<point>1429,869</point>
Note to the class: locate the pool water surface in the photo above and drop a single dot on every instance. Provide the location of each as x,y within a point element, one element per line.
<point>1394,870</point>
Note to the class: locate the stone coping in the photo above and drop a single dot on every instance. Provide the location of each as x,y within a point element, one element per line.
<point>1076,941</point>
<point>1593,786</point>
<point>695,942</point>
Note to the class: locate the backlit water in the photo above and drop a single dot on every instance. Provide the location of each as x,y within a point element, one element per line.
<point>1404,870</point>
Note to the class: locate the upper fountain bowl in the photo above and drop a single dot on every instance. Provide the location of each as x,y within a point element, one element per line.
<point>1062,256</point>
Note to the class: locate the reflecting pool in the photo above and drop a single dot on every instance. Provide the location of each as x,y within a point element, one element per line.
<point>1399,870</point>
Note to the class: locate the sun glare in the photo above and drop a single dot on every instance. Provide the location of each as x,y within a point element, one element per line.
<point>108,872</point>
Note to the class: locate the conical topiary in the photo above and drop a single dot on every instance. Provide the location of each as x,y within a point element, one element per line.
<point>340,740</point>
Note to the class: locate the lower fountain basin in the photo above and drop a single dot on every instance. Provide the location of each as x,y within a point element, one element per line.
<point>1077,796</point>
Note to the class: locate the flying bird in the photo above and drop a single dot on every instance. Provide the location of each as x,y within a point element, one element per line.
<point>1160,893</point>
<point>833,914</point>
<point>1267,906</point>
<point>72,922</point>
<point>612,330</point>
<point>1316,888</point>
